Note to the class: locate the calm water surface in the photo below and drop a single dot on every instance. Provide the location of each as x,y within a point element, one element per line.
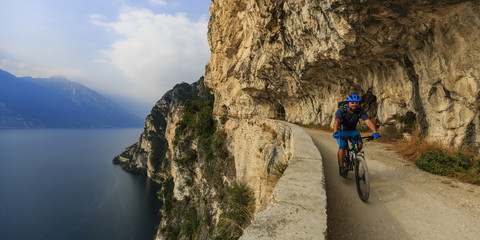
<point>61,184</point>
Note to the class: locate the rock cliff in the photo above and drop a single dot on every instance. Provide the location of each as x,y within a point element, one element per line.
<point>215,172</point>
<point>412,62</point>
<point>152,154</point>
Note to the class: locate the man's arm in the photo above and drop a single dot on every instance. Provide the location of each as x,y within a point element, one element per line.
<point>335,125</point>
<point>369,124</point>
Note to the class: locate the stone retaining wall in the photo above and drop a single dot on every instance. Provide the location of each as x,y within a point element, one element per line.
<point>299,199</point>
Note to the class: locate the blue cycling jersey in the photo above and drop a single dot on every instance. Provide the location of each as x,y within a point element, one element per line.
<point>351,119</point>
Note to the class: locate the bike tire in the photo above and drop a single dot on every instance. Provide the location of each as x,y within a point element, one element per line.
<point>361,179</point>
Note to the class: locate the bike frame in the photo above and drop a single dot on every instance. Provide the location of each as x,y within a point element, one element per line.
<point>361,178</point>
<point>353,149</point>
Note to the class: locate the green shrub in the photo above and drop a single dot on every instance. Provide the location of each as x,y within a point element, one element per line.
<point>159,151</point>
<point>223,119</point>
<point>197,116</point>
<point>218,144</point>
<point>204,124</point>
<point>458,165</point>
<point>166,194</point>
<point>190,223</point>
<point>238,213</point>
<point>158,118</point>
<point>189,159</point>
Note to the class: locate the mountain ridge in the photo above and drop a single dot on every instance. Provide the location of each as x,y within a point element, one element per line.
<point>56,102</point>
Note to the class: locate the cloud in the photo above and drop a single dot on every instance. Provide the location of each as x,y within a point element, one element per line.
<point>98,19</point>
<point>20,69</point>
<point>100,61</point>
<point>158,2</point>
<point>157,50</point>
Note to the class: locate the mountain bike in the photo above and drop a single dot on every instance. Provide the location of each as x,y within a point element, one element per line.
<point>355,160</point>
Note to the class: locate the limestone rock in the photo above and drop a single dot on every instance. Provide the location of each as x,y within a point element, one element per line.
<point>154,150</point>
<point>299,58</point>
<point>258,145</point>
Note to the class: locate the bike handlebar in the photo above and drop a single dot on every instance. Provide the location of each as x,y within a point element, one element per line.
<point>369,138</point>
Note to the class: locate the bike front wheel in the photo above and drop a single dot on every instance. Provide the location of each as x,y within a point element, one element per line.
<point>361,178</point>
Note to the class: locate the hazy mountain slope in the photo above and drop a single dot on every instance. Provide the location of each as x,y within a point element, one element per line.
<point>56,102</point>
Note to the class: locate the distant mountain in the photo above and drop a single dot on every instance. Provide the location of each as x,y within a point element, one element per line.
<point>57,103</point>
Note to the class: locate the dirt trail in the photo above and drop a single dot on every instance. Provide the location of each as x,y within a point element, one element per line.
<point>404,203</point>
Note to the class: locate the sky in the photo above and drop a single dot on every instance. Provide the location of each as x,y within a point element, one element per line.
<point>130,50</point>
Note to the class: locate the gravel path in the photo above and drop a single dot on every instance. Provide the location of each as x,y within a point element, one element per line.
<point>404,203</point>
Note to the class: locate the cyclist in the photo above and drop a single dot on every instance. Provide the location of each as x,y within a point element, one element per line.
<point>346,119</point>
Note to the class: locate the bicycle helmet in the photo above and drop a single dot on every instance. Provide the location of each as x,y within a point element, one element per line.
<point>353,98</point>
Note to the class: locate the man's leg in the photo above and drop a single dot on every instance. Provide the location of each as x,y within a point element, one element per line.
<point>342,145</point>
<point>341,156</point>
<point>360,146</point>
<point>342,170</point>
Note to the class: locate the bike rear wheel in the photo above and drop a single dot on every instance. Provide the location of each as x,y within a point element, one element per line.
<point>361,178</point>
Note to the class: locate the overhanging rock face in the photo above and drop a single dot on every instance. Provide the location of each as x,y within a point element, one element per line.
<point>414,60</point>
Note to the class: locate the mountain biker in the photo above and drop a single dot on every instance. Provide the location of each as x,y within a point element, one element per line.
<point>346,119</point>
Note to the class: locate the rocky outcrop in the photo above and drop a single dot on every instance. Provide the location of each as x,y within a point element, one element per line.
<point>410,61</point>
<point>215,172</point>
<point>153,152</point>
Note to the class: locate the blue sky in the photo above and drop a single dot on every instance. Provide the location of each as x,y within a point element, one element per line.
<point>136,49</point>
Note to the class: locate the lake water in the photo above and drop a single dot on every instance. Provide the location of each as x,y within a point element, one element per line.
<point>61,184</point>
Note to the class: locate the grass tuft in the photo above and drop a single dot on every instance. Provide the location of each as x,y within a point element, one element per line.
<point>239,209</point>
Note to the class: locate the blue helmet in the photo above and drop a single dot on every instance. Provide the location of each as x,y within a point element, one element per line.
<point>353,98</point>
